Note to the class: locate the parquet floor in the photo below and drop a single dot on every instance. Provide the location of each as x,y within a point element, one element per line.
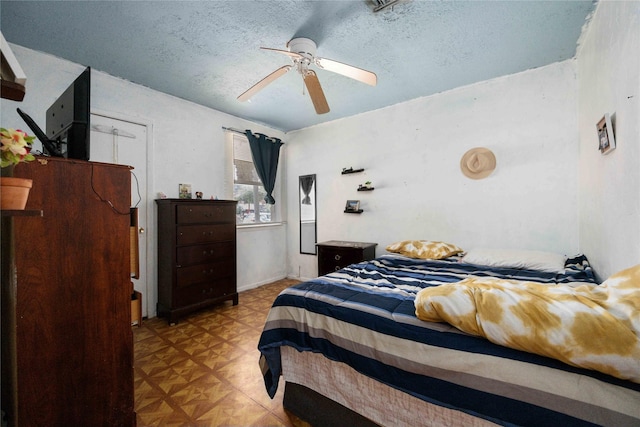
<point>204,370</point>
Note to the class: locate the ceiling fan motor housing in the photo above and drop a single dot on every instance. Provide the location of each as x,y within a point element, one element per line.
<point>303,46</point>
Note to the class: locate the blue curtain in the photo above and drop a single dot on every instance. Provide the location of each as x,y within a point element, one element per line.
<point>266,153</point>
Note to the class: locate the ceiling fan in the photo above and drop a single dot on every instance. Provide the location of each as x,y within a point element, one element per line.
<point>303,53</point>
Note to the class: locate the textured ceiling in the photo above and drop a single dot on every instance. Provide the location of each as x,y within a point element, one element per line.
<point>209,52</point>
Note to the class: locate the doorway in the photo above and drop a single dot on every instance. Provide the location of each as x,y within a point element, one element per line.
<point>124,142</point>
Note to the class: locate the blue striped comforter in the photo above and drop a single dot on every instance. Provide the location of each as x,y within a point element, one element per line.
<point>364,316</point>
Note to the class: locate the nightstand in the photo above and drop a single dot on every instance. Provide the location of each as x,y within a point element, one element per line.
<point>336,254</point>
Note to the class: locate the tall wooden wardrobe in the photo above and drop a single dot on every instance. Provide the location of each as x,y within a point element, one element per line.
<point>67,343</point>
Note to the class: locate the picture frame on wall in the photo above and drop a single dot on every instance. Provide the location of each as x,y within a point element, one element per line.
<point>606,139</point>
<point>352,206</point>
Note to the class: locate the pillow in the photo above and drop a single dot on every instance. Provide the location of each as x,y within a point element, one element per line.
<point>424,249</point>
<point>511,258</point>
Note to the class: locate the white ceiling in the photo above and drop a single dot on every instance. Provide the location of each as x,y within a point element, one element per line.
<point>209,52</point>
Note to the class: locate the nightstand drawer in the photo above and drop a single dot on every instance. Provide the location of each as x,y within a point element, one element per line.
<point>333,259</point>
<point>335,255</point>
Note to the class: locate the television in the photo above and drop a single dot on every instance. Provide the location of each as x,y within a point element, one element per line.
<point>68,126</point>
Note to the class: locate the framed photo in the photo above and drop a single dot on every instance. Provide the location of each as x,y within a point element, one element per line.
<point>352,206</point>
<point>606,140</point>
<point>184,191</point>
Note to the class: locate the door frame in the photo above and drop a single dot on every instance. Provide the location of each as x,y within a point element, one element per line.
<point>151,294</point>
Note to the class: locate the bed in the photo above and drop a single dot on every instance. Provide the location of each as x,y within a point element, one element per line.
<point>351,351</point>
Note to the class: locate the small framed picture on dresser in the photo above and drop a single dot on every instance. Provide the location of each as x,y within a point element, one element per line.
<point>606,140</point>
<point>184,191</point>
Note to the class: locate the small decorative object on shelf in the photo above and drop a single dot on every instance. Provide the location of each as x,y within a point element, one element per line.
<point>353,206</point>
<point>346,171</point>
<point>366,187</point>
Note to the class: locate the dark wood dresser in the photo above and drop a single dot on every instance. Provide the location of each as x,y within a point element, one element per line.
<point>336,254</point>
<point>67,342</point>
<point>196,255</point>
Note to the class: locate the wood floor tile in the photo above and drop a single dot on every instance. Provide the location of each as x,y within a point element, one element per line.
<point>204,370</point>
<point>234,410</point>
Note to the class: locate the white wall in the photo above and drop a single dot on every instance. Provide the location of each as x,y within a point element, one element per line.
<point>537,123</point>
<point>411,153</point>
<point>609,82</point>
<point>188,146</point>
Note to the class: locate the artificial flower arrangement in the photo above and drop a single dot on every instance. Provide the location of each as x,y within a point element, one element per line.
<point>16,147</point>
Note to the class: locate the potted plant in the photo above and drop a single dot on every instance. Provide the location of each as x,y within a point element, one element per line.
<point>15,146</point>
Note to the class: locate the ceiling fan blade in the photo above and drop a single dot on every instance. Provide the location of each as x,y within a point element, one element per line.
<point>315,92</point>
<point>355,73</point>
<point>284,52</point>
<point>264,82</point>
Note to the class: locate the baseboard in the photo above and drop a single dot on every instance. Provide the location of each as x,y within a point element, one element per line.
<point>260,283</point>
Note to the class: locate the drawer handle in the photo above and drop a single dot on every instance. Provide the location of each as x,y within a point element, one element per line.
<point>337,267</point>
<point>337,257</point>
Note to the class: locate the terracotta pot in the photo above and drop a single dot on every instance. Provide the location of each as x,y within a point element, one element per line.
<point>14,193</point>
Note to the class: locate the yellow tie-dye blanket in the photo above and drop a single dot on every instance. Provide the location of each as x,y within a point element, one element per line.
<point>590,326</point>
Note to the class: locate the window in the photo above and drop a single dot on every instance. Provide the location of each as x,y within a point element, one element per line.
<point>247,188</point>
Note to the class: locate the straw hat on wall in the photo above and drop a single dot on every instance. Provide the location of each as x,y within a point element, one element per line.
<point>478,163</point>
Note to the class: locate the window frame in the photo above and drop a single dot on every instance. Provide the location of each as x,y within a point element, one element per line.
<point>258,190</point>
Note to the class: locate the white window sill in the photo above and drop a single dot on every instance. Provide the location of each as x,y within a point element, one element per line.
<point>261,225</point>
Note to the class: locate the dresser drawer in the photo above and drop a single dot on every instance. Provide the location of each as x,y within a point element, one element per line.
<point>194,234</point>
<point>198,293</point>
<point>200,254</point>
<point>204,273</point>
<point>195,214</point>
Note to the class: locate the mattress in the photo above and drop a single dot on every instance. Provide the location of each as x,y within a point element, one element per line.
<point>364,317</point>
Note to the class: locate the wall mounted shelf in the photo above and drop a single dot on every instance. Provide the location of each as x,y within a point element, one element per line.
<point>351,170</point>
<point>359,211</point>
<point>366,188</point>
